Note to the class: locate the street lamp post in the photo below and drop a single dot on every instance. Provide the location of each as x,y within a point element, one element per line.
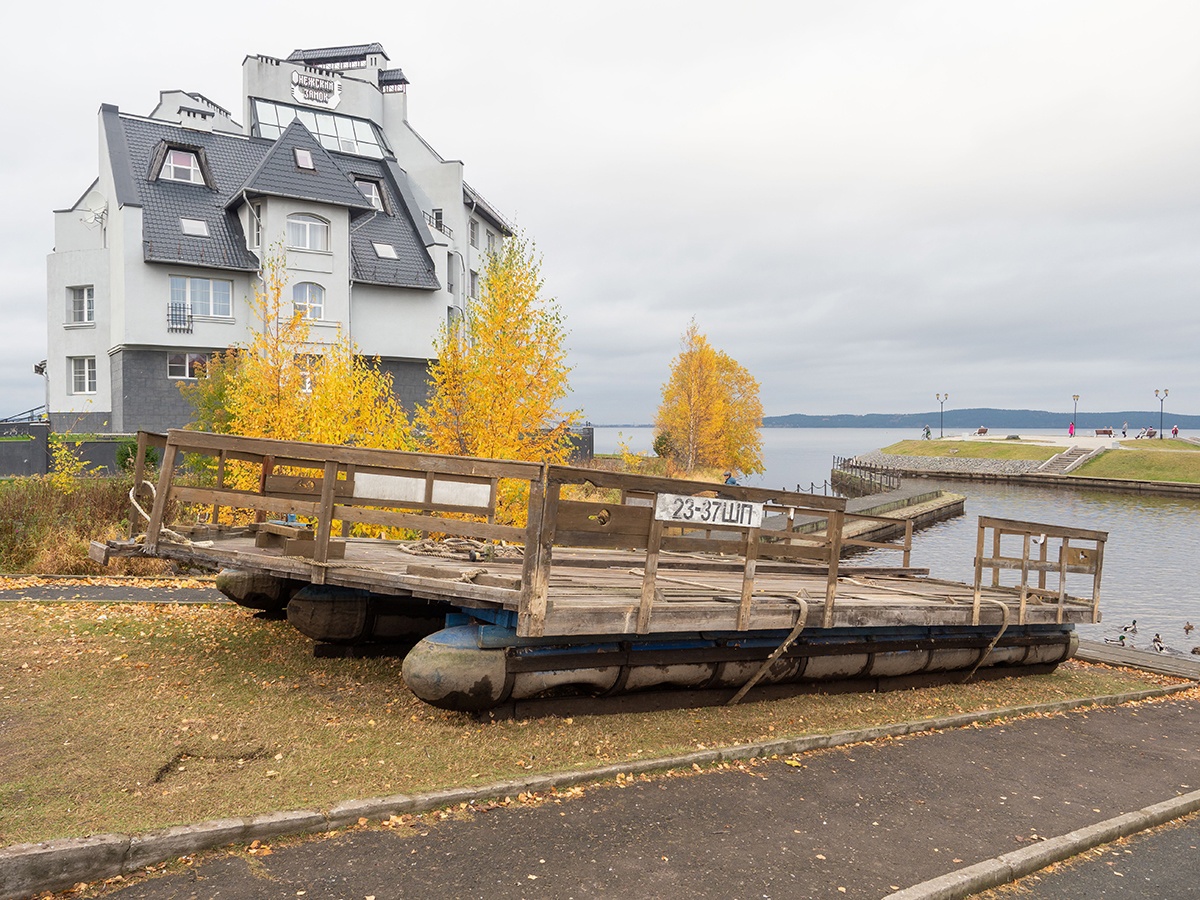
<point>941,399</point>
<point>1161,400</point>
<point>1075,414</point>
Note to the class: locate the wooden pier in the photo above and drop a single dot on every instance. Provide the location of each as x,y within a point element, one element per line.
<point>592,553</point>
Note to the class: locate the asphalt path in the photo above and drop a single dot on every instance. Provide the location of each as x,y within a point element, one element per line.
<point>112,590</point>
<point>1163,864</point>
<point>858,822</point>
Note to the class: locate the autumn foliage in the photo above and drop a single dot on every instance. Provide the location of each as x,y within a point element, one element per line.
<point>281,384</point>
<point>710,414</point>
<point>501,374</point>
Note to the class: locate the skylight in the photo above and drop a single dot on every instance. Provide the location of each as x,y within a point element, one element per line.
<point>333,131</point>
<point>385,251</point>
<point>194,227</point>
<point>304,159</point>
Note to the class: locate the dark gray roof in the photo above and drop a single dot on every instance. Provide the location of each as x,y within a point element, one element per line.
<point>325,55</point>
<point>279,176</point>
<point>391,76</point>
<point>233,163</point>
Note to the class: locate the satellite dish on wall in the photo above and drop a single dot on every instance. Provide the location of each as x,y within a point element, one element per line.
<point>95,210</point>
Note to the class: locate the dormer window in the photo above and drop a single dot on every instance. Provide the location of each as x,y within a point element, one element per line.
<point>385,251</point>
<point>181,165</point>
<point>304,159</point>
<point>194,227</point>
<point>370,190</point>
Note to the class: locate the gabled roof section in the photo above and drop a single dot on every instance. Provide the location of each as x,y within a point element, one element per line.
<point>237,160</point>
<point>324,56</point>
<point>228,160</point>
<point>391,76</point>
<point>278,175</point>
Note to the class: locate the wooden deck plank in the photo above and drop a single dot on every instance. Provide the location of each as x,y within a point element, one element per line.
<point>605,595</point>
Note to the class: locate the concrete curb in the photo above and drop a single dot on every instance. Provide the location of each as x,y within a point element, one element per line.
<point>1010,866</point>
<point>26,869</point>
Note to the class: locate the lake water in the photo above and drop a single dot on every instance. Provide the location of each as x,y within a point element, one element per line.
<point>1149,560</point>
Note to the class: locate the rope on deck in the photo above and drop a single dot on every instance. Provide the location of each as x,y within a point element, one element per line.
<point>801,620</point>
<point>174,536</point>
<point>992,646</point>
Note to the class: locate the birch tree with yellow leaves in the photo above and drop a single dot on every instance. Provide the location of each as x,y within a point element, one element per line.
<point>501,373</point>
<point>280,384</point>
<point>710,414</point>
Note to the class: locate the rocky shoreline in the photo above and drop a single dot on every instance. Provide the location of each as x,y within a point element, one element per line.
<point>949,465</point>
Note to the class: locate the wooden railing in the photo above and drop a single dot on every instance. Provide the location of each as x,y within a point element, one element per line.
<point>1077,551</point>
<point>458,496</point>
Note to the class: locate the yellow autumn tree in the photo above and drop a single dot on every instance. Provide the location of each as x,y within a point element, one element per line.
<point>501,375</point>
<point>281,384</point>
<point>710,414</point>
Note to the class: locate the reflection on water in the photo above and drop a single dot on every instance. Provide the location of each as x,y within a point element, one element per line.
<point>1148,560</point>
<point>1153,542</point>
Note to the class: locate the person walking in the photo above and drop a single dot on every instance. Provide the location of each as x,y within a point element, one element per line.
<point>1071,430</point>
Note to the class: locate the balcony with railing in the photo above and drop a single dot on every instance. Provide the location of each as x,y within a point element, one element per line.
<point>179,318</point>
<point>435,220</point>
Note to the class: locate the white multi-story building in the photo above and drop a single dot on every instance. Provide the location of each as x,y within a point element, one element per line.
<point>154,266</point>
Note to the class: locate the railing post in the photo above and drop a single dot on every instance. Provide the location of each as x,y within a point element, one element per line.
<point>161,495</point>
<point>139,473</point>
<point>325,520</point>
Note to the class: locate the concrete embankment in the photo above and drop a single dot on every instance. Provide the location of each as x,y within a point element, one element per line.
<point>915,502</point>
<point>1017,472</point>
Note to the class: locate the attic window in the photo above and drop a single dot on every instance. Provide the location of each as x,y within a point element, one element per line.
<point>304,159</point>
<point>370,190</point>
<point>194,227</point>
<point>385,251</point>
<point>181,165</point>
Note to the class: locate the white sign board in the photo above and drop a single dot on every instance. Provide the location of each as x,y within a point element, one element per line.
<point>713,512</point>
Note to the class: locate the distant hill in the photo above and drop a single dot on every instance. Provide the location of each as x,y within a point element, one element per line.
<point>995,420</point>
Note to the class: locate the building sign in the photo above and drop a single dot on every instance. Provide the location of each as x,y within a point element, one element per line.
<point>315,90</point>
<point>708,511</point>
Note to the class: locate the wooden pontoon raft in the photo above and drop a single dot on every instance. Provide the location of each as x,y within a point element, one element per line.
<point>617,583</point>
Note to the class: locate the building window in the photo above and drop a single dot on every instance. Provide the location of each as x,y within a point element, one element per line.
<point>194,227</point>
<point>491,241</point>
<point>307,233</point>
<point>202,296</point>
<point>474,285</point>
<point>304,159</point>
<point>255,226</point>
<point>186,365</point>
<point>83,303</point>
<point>385,251</point>
<point>309,365</point>
<point>308,299</point>
<point>473,231</point>
<point>181,165</point>
<point>332,131</point>
<point>370,190</point>
<point>83,374</point>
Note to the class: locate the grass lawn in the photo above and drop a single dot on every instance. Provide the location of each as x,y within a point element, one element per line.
<point>973,449</point>
<point>1171,463</point>
<point>128,717</point>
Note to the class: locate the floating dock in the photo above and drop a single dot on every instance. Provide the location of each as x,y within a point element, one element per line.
<point>607,583</point>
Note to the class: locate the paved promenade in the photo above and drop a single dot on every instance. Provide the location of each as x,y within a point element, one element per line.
<point>860,821</point>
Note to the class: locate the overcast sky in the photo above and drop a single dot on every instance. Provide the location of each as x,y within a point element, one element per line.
<point>864,203</point>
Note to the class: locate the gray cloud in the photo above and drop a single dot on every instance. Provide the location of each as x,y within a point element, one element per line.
<point>864,203</point>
